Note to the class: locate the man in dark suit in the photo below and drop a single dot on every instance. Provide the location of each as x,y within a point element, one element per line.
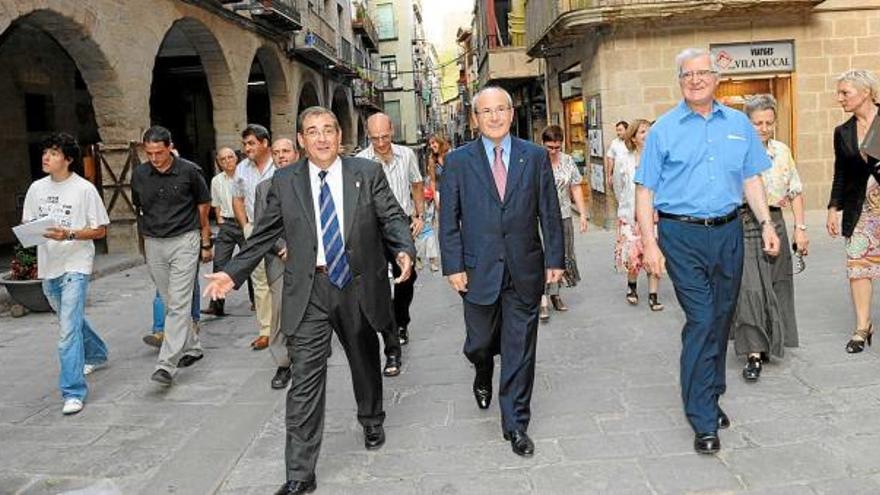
<point>497,191</point>
<point>339,217</point>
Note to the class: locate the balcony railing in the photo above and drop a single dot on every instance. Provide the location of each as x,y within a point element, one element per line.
<point>313,47</point>
<point>279,14</point>
<point>363,26</point>
<point>345,51</point>
<point>549,19</point>
<point>365,94</point>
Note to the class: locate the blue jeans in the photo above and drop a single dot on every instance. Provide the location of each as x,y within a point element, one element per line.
<point>78,344</point>
<point>159,309</point>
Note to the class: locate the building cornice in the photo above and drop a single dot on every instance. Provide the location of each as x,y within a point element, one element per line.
<point>581,21</point>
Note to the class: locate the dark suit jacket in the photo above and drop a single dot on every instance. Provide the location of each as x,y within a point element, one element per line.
<point>480,234</point>
<point>373,221</point>
<point>850,176</point>
<point>274,265</point>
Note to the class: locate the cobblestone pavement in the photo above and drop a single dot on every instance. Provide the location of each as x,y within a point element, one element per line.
<point>606,410</point>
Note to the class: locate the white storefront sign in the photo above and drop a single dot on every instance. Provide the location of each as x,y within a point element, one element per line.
<point>754,58</point>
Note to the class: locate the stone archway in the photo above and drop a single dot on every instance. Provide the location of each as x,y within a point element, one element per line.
<point>271,80</point>
<point>308,97</point>
<point>341,107</point>
<point>192,92</point>
<point>56,77</point>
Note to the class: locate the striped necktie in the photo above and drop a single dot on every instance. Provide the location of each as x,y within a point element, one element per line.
<point>334,249</point>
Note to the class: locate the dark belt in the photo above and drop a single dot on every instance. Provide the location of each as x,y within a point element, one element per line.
<point>321,269</point>
<point>775,208</point>
<point>229,219</point>
<point>708,222</point>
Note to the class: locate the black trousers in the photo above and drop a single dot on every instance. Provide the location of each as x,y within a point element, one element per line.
<point>329,310</point>
<point>403,297</point>
<point>229,235</point>
<point>508,327</point>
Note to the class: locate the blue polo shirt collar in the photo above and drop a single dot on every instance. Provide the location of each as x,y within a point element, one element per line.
<point>684,111</point>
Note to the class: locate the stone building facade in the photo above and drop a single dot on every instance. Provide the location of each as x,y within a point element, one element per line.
<point>106,70</point>
<point>612,60</point>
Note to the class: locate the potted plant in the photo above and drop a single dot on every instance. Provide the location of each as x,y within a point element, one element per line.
<point>22,283</point>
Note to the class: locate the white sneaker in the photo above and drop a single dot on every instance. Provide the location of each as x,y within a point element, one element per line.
<point>72,406</point>
<point>91,368</point>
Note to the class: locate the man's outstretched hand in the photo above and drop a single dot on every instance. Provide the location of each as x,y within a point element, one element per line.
<point>219,284</point>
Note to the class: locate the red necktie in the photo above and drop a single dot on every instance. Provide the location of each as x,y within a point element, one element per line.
<point>499,172</point>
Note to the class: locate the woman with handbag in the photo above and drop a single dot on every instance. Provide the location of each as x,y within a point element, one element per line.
<point>568,186</point>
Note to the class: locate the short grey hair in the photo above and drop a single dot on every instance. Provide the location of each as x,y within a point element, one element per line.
<point>759,103</point>
<point>490,88</point>
<point>315,110</point>
<point>862,79</point>
<point>691,53</point>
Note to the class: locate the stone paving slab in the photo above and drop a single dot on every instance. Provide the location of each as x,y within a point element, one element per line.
<point>607,415</point>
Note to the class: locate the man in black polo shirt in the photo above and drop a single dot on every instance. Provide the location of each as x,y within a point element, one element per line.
<point>172,202</point>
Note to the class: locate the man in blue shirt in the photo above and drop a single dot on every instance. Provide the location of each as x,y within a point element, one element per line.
<point>700,158</point>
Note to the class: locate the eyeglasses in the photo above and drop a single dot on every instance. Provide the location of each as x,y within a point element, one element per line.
<point>383,137</point>
<point>693,75</point>
<point>486,112</point>
<point>313,133</point>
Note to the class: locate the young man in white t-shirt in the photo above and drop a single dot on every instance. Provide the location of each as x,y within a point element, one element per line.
<point>615,150</point>
<point>65,261</point>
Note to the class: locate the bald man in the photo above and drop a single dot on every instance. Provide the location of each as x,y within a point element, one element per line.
<point>229,234</point>
<point>402,171</point>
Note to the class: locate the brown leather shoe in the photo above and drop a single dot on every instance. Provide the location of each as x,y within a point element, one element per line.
<point>260,343</point>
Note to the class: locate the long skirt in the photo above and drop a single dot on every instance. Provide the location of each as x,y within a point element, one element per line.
<point>764,320</point>
<point>572,274</point>
<point>863,246</point>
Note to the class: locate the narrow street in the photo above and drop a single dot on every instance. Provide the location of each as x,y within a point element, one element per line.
<point>606,411</point>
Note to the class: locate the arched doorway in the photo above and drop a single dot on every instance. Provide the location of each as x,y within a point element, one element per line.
<point>259,108</point>
<point>308,97</point>
<point>190,86</point>
<point>342,109</point>
<point>44,91</point>
<point>268,98</point>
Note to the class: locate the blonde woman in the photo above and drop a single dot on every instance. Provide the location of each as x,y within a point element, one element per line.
<point>854,207</point>
<point>628,251</point>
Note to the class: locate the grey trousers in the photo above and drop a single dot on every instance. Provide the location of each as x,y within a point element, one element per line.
<point>173,263</point>
<point>277,337</point>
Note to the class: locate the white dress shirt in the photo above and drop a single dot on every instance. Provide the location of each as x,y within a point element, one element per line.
<point>334,181</point>
<point>402,172</point>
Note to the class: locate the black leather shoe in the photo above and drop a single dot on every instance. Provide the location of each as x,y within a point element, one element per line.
<point>483,388</point>
<point>392,366</point>
<point>161,376</point>
<point>188,360</point>
<point>723,420</point>
<point>520,443</point>
<point>281,378</point>
<point>403,335</point>
<point>374,437</point>
<point>752,370</point>
<point>294,487</point>
<point>707,443</point>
